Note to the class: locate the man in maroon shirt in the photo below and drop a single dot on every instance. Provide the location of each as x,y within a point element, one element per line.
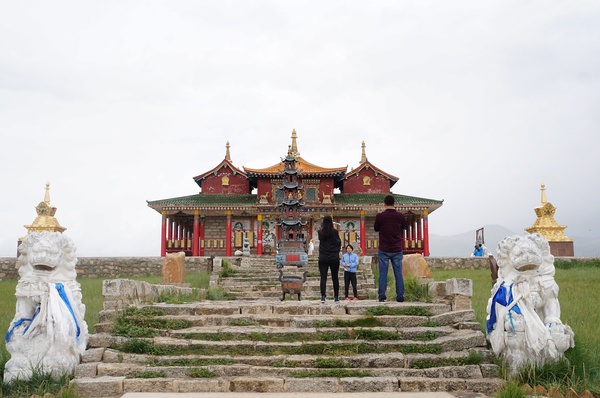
<point>390,224</point>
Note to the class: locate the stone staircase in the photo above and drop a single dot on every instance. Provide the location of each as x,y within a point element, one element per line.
<point>256,344</point>
<point>257,277</point>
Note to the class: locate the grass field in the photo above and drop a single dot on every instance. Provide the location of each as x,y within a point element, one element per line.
<point>578,298</point>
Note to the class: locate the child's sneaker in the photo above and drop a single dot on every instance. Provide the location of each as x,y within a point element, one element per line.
<point>355,299</point>
<point>322,299</point>
<point>347,299</point>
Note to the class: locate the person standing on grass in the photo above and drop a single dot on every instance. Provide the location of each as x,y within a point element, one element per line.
<point>350,263</point>
<point>390,224</point>
<point>329,257</point>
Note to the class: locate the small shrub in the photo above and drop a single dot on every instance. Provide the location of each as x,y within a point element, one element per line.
<point>383,310</point>
<point>218,294</point>
<point>512,389</point>
<point>190,362</point>
<point>148,374</point>
<point>243,322</point>
<point>178,298</point>
<point>226,270</point>
<point>415,291</point>
<point>40,384</point>
<point>331,373</point>
<point>139,346</point>
<point>370,334</point>
<point>201,373</point>
<point>329,363</point>
<point>285,364</point>
<point>426,336</point>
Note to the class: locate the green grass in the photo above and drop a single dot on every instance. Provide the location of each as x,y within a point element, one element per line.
<point>578,284</point>
<point>383,310</point>
<point>39,384</point>
<point>201,373</point>
<point>91,289</point>
<point>331,373</point>
<point>578,301</point>
<point>142,346</point>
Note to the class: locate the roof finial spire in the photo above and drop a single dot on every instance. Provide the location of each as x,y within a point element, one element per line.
<point>47,194</point>
<point>294,145</point>
<point>544,194</point>
<point>363,157</point>
<point>227,155</point>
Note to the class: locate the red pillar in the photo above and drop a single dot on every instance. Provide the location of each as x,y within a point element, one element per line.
<point>169,232</point>
<point>420,233</point>
<point>425,234</point>
<point>195,239</point>
<point>202,236</point>
<point>163,235</point>
<point>259,237</point>
<point>228,235</point>
<point>363,233</point>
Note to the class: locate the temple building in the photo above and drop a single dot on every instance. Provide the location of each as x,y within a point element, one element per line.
<point>235,203</point>
<point>545,225</point>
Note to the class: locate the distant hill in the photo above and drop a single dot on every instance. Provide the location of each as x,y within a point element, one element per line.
<point>461,245</point>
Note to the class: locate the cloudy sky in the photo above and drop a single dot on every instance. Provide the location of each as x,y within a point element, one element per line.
<point>119,102</point>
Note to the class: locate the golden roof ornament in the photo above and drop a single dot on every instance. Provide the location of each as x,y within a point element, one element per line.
<point>227,155</point>
<point>363,157</point>
<point>545,224</point>
<point>294,147</point>
<point>45,220</point>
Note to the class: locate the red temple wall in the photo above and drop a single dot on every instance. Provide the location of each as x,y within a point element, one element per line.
<point>263,185</point>
<point>326,187</point>
<point>378,184</point>
<point>238,184</point>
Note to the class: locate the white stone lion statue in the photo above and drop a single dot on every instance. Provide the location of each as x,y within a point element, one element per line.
<point>523,321</point>
<point>48,333</point>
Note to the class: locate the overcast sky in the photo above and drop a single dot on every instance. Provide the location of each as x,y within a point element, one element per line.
<point>474,102</point>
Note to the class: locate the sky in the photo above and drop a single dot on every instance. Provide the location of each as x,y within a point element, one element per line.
<point>473,103</point>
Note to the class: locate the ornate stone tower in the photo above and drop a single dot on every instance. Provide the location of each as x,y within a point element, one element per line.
<point>291,248</point>
<point>545,225</point>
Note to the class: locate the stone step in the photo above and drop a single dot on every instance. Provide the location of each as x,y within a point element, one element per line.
<point>116,386</point>
<point>361,361</point>
<point>276,333</point>
<point>313,307</point>
<point>461,340</point>
<point>258,343</point>
<point>300,315</point>
<point>236,370</point>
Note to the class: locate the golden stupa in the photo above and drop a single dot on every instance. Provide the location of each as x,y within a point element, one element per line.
<point>45,220</point>
<point>545,225</point>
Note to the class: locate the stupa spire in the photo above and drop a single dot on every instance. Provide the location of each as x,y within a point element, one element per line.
<point>294,147</point>
<point>47,194</point>
<point>363,157</point>
<point>544,201</point>
<point>227,155</point>
<point>45,220</point>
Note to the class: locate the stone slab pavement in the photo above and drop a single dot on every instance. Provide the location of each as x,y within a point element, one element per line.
<point>435,394</point>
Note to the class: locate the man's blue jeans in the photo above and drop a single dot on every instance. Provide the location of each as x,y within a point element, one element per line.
<point>384,261</point>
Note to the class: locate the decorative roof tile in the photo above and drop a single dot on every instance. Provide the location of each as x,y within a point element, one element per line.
<point>303,166</point>
<point>377,198</point>
<point>204,199</point>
